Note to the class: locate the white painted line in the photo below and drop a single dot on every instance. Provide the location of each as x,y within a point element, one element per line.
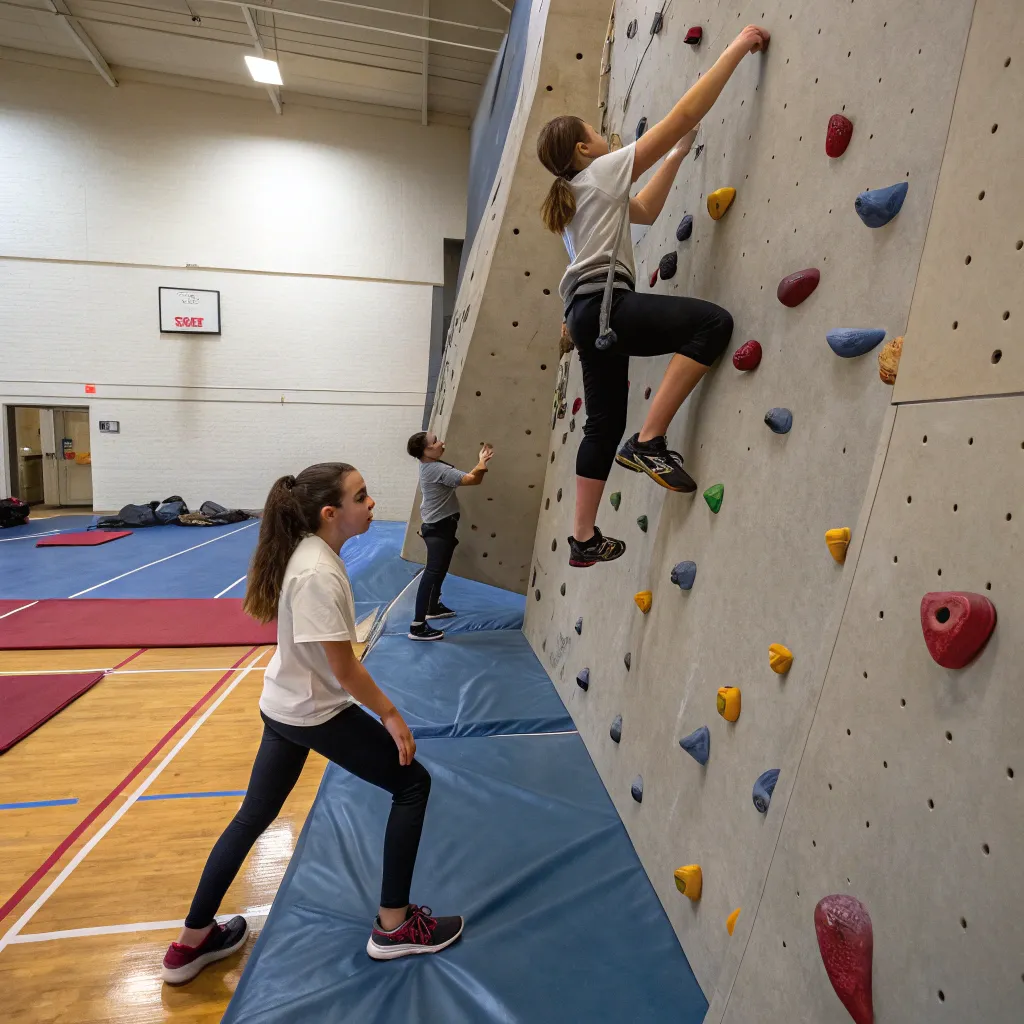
<point>14,611</point>
<point>34,536</point>
<point>84,852</point>
<point>256,917</point>
<point>120,671</point>
<point>166,558</point>
<point>232,587</point>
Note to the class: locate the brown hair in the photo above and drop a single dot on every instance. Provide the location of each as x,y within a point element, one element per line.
<point>556,149</point>
<point>292,512</point>
<point>417,444</point>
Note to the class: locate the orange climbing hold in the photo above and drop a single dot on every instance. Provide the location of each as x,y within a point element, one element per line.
<point>730,921</point>
<point>729,702</point>
<point>689,880</point>
<point>889,360</point>
<point>838,541</point>
<point>719,201</point>
<point>643,601</point>
<point>780,658</point>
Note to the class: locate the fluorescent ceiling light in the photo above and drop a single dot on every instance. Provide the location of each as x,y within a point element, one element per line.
<point>263,70</point>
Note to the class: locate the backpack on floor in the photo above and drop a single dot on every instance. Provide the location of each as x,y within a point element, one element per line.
<point>132,517</point>
<point>13,512</point>
<point>212,514</point>
<point>170,508</point>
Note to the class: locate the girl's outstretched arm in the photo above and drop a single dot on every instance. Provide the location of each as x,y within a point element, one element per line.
<point>647,204</point>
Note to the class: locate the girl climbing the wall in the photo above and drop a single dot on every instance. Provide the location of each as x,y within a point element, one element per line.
<point>439,513</point>
<point>308,703</point>
<point>590,207</point>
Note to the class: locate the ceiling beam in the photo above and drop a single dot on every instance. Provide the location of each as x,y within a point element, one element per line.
<point>426,62</point>
<point>409,14</point>
<point>272,90</point>
<point>85,43</point>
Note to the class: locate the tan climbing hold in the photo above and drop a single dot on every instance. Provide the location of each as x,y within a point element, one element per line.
<point>729,702</point>
<point>780,658</point>
<point>719,201</point>
<point>838,541</point>
<point>643,601</point>
<point>689,880</point>
<point>730,921</point>
<point>889,360</point>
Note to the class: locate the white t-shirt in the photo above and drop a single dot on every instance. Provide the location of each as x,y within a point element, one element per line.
<point>316,604</point>
<point>601,192</point>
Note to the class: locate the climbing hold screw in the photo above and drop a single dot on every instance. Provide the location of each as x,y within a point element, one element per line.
<point>616,730</point>
<point>698,744</point>
<point>641,521</point>
<point>838,540</point>
<point>838,135</point>
<point>643,601</point>
<point>579,626</point>
<point>850,342</point>
<point>685,228</point>
<point>667,266</point>
<point>747,356</point>
<point>719,201</point>
<point>636,791</point>
<point>616,499</point>
<point>763,789</point>
<point>956,626</point>
<point>846,943</point>
<point>641,126</point>
<point>730,921</point>
<point>693,35</point>
<point>627,660</point>
<point>780,658</point>
<point>713,496</point>
<point>683,574</point>
<point>779,420</point>
<point>583,679</point>
<point>889,360</point>
<point>729,702</point>
<point>689,880</point>
<point>794,288</point>
<point>879,205</point>
<point>577,404</point>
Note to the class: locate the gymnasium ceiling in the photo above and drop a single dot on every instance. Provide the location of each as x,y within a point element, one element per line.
<point>351,53</point>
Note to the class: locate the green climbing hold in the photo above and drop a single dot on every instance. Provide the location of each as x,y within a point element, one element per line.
<point>616,499</point>
<point>641,521</point>
<point>713,496</point>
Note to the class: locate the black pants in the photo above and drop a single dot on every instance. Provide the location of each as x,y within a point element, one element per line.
<point>440,540</point>
<point>362,746</point>
<point>646,325</point>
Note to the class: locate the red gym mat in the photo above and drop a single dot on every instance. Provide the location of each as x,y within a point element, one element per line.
<point>82,540</point>
<point>28,701</point>
<point>67,624</point>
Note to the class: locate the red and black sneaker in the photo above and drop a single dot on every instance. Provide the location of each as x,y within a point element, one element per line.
<point>420,933</point>
<point>598,549</point>
<point>183,963</point>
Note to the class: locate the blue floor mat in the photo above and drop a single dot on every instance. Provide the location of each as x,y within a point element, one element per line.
<point>562,924</point>
<point>479,607</point>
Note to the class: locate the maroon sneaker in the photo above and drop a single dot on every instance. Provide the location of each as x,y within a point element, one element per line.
<point>420,933</point>
<point>183,963</point>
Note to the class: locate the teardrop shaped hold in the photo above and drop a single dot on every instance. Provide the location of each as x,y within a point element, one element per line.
<point>583,679</point>
<point>729,702</point>
<point>713,496</point>
<point>631,29</point>
<point>747,356</point>
<point>641,127</point>
<point>654,278</point>
<point>763,789</point>
<point>846,942</point>
<point>889,360</point>
<point>616,730</point>
<point>647,393</point>
<point>636,791</point>
<point>561,590</point>
<point>698,744</point>
<point>615,498</point>
<point>719,201</point>
<point>579,626</point>
<point>850,342</point>
<point>667,266</point>
<point>689,880</point>
<point>641,521</point>
<point>577,404</point>
<point>780,658</point>
<point>779,420</point>
<point>794,288</point>
<point>643,601</point>
<point>838,540</point>
<point>878,206</point>
<point>838,135</point>
<point>956,626</point>
<point>627,660</point>
<point>730,921</point>
<point>683,574</point>
<point>685,228</point>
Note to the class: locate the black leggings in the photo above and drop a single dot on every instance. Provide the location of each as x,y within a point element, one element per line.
<point>362,746</point>
<point>646,325</point>
<point>440,540</point>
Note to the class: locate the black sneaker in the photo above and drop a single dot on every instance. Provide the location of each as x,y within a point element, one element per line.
<point>441,612</point>
<point>183,963</point>
<point>420,933</point>
<point>598,549</point>
<point>654,458</point>
<point>424,632</point>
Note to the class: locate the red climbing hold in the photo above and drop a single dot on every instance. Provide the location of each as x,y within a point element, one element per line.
<point>846,942</point>
<point>837,138</point>
<point>654,277</point>
<point>794,288</point>
<point>577,404</point>
<point>694,35</point>
<point>747,356</point>
<point>956,626</point>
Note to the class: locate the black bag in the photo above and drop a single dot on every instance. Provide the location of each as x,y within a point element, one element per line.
<point>13,512</point>
<point>212,514</point>
<point>170,508</point>
<point>131,516</point>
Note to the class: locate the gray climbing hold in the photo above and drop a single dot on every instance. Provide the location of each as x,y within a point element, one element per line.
<point>849,342</point>
<point>579,626</point>
<point>583,679</point>
<point>667,266</point>
<point>763,789</point>
<point>641,126</point>
<point>659,20</point>
<point>698,744</point>
<point>631,29</point>
<point>562,590</point>
<point>627,660</point>
<point>684,574</point>
<point>878,206</point>
<point>637,789</point>
<point>685,228</point>
<point>780,420</point>
<point>616,730</point>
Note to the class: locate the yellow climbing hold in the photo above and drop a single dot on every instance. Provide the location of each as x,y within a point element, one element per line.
<point>780,658</point>
<point>889,360</point>
<point>689,880</point>
<point>838,541</point>
<point>729,702</point>
<point>730,921</point>
<point>643,601</point>
<point>719,201</point>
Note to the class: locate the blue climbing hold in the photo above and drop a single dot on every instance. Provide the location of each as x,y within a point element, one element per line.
<point>763,789</point>
<point>853,341</point>
<point>616,730</point>
<point>579,626</point>
<point>685,228</point>
<point>878,206</point>
<point>780,420</point>
<point>637,789</point>
<point>684,574</point>
<point>583,679</point>
<point>698,744</point>
<point>641,126</point>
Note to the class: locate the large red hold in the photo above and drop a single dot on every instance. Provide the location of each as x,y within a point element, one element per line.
<point>956,626</point>
<point>846,942</point>
<point>694,35</point>
<point>747,356</point>
<point>577,404</point>
<point>794,288</point>
<point>837,138</point>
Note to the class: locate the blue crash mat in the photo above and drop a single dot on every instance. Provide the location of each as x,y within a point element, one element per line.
<point>469,684</point>
<point>562,924</point>
<point>478,605</point>
<point>376,568</point>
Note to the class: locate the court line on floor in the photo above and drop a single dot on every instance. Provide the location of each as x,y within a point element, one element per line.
<point>40,872</point>
<point>166,558</point>
<point>33,536</point>
<point>192,796</point>
<point>232,587</point>
<point>120,672</point>
<point>64,802</point>
<point>14,611</point>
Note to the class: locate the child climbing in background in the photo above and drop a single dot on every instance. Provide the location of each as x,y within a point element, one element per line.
<point>439,514</point>
<point>308,703</point>
<point>590,207</point>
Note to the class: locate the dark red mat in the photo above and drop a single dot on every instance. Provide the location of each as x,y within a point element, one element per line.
<point>82,540</point>
<point>67,624</point>
<point>28,701</point>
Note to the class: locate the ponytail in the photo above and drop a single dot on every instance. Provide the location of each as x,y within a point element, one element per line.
<point>291,512</point>
<point>556,150</point>
<point>559,207</point>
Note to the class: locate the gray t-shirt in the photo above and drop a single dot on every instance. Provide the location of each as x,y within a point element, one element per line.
<point>601,192</point>
<point>438,481</point>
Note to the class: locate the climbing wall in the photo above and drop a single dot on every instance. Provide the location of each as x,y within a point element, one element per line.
<point>764,574</point>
